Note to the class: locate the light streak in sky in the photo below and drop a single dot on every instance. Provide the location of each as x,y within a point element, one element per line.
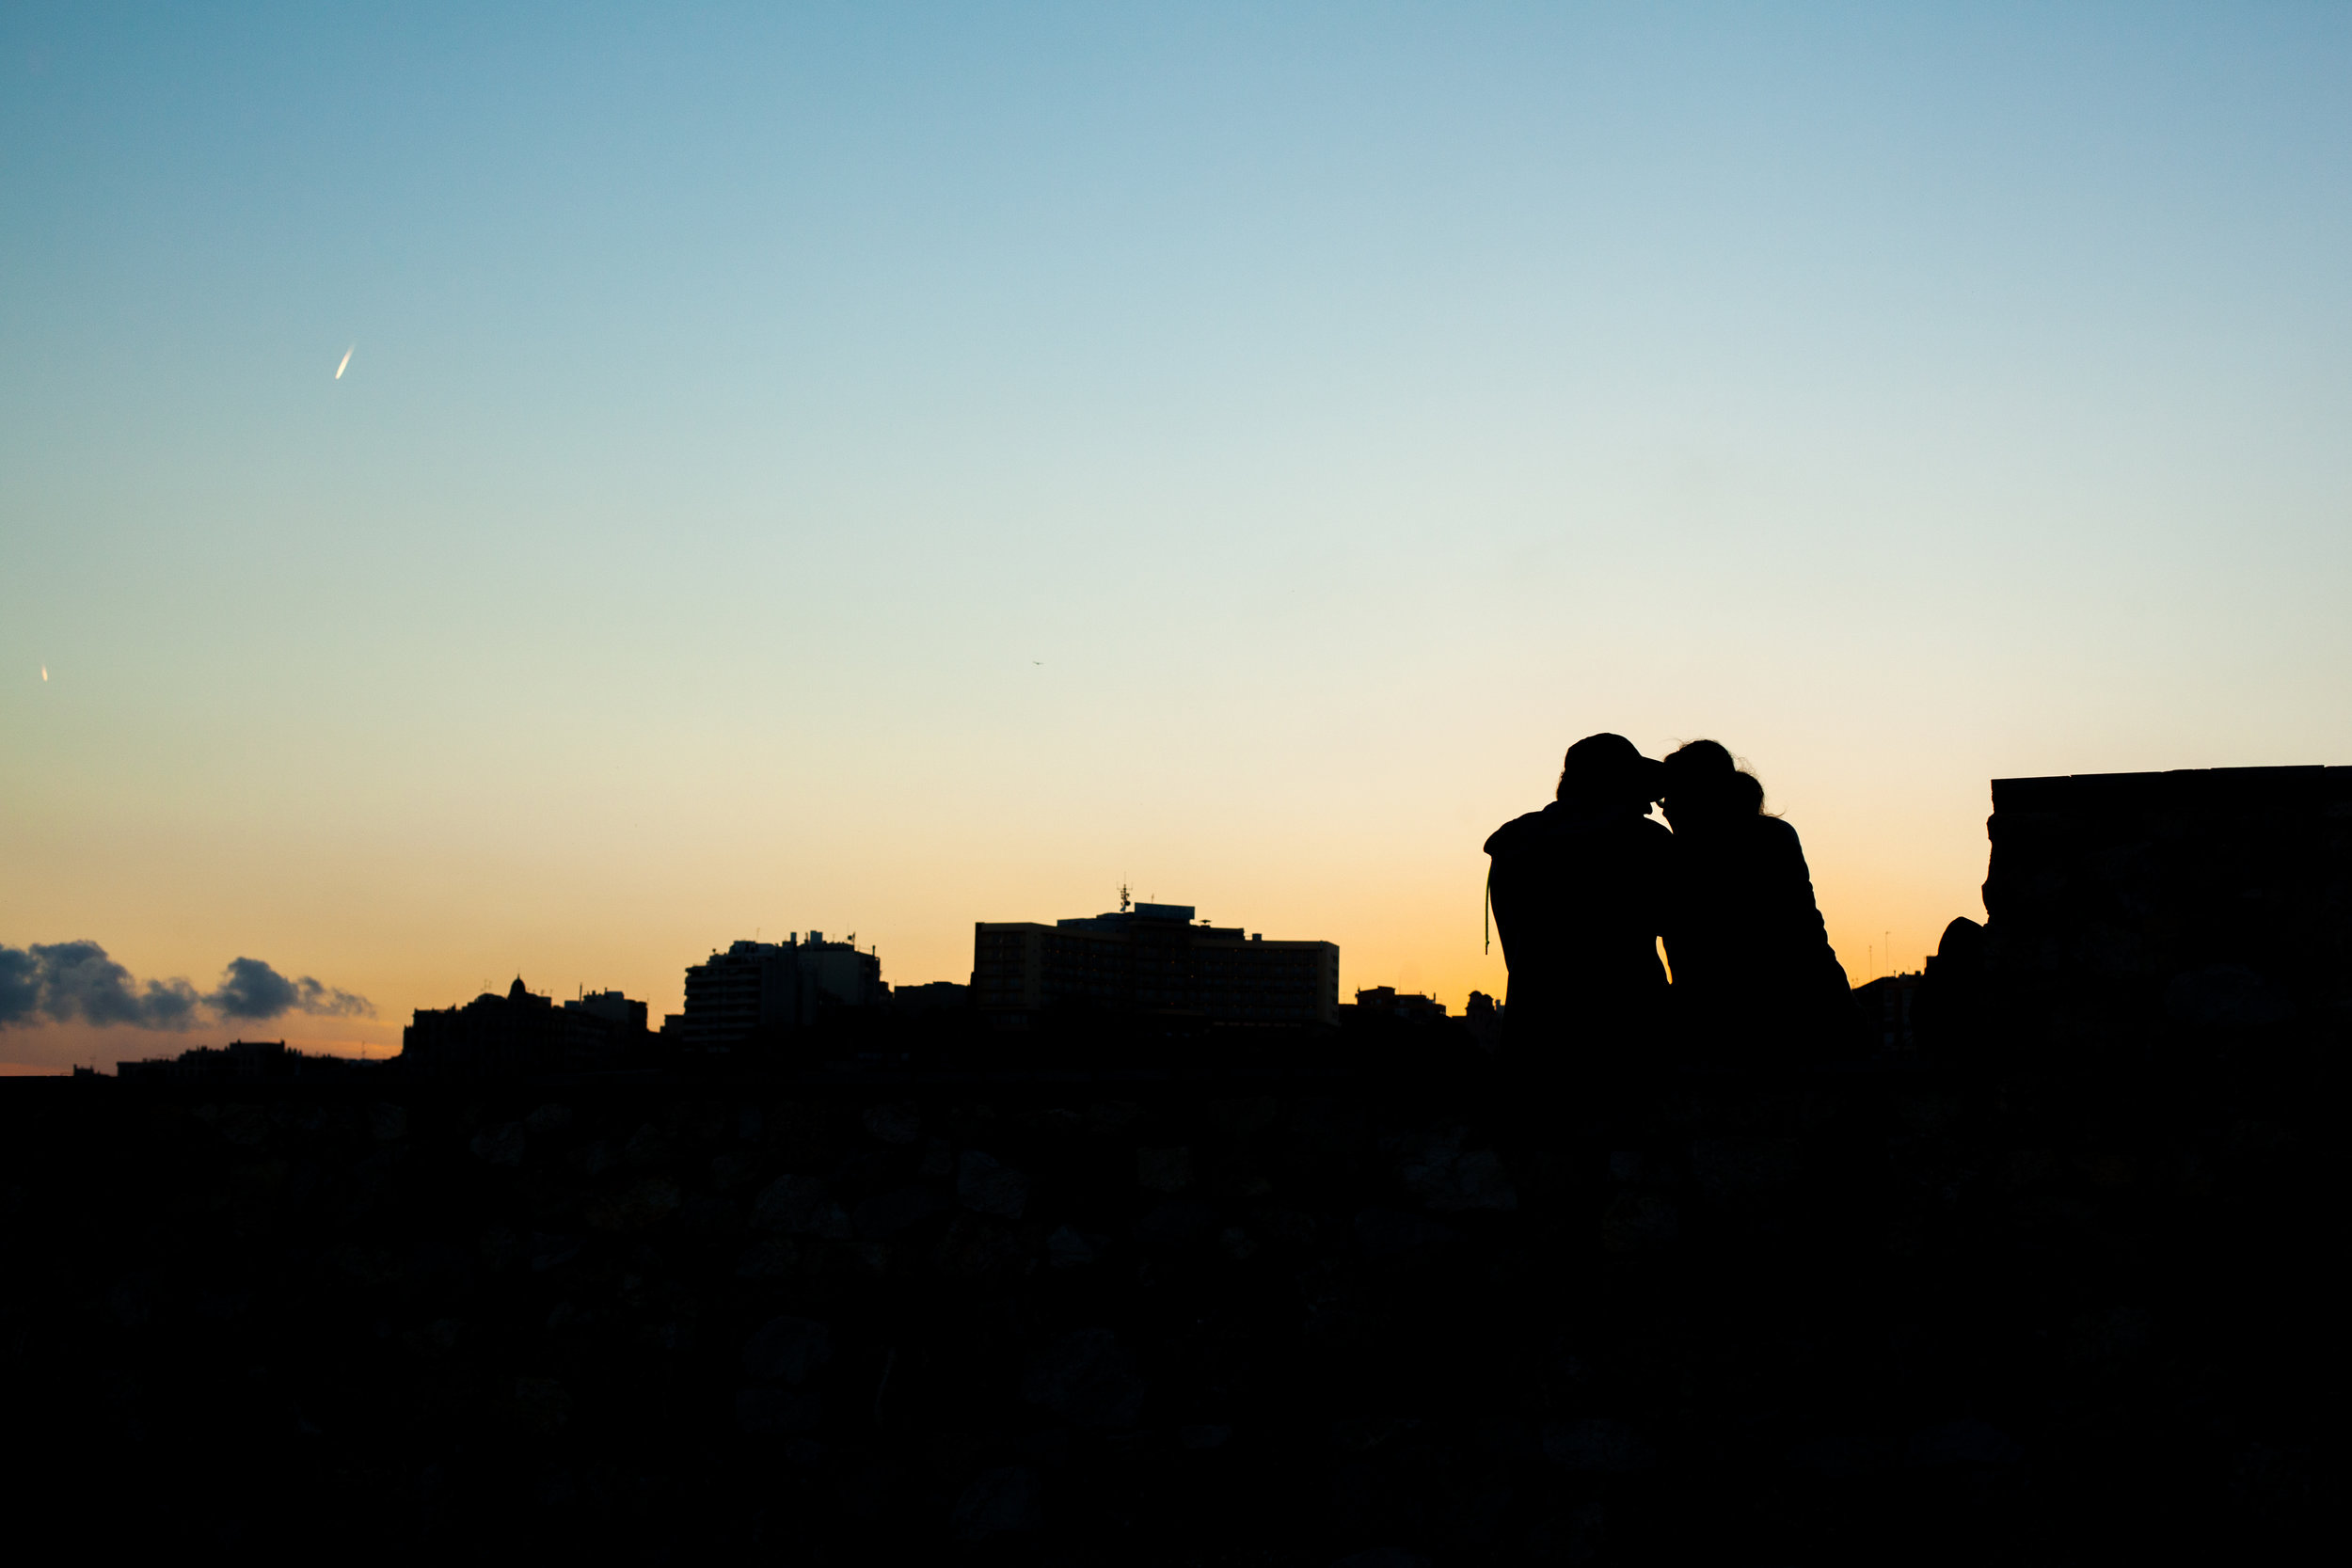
<point>45,673</point>
<point>346,364</point>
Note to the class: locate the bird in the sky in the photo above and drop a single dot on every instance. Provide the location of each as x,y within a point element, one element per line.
<point>346,364</point>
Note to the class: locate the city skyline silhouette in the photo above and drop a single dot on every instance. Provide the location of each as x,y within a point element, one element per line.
<point>819,470</point>
<point>1308,786</point>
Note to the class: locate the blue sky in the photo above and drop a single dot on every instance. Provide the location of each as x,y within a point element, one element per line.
<point>879,468</point>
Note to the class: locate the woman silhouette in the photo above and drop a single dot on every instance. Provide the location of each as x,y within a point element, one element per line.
<point>1754,977</point>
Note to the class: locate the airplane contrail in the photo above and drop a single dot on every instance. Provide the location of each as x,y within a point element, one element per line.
<point>346,364</point>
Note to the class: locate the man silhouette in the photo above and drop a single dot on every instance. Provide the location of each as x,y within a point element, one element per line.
<point>1579,891</point>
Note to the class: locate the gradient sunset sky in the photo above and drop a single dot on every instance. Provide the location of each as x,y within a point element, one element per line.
<point>876,468</point>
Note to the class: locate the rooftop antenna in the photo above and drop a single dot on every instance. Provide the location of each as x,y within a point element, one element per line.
<point>1123,900</point>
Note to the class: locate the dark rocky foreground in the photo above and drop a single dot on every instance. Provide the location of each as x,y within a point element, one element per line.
<point>1869,1314</point>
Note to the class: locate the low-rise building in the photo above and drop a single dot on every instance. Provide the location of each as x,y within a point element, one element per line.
<point>523,1032</point>
<point>1386,1001</point>
<point>239,1061</point>
<point>1154,958</point>
<point>1886,1003</point>
<point>931,997</point>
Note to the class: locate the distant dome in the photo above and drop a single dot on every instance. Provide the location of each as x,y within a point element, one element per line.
<point>517,991</point>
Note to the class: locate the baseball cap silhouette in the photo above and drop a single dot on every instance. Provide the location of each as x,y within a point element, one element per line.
<point>1608,765</point>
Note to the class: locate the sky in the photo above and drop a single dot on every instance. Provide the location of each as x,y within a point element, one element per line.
<point>875,469</point>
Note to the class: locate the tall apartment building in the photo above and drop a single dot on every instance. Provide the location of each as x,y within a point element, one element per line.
<point>758,993</point>
<point>1152,958</point>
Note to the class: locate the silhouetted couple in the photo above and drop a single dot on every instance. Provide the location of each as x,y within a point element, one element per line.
<point>1585,889</point>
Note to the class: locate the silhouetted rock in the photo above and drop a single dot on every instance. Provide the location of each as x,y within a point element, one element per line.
<point>1435,1169</point>
<point>549,1251</point>
<point>540,1405</point>
<point>1067,1247</point>
<point>1088,1378</point>
<point>1842,1456</point>
<point>987,1187</point>
<point>885,1215</point>
<point>1164,1171</point>
<point>502,1144</point>
<point>786,1350</point>
<point>997,1500</point>
<point>1743,1172</point>
<point>1399,1236</point>
<point>1806,1297</point>
<point>635,1205</point>
<point>801,1206</point>
<point>1639,1222</point>
<point>899,1122</point>
<point>1962,1441</point>
<point>733,1167</point>
<point>975,1247</point>
<point>648,1146</point>
<point>1595,1444</point>
<point>765,1412</point>
<point>2225,996</point>
<point>771,1259</point>
<point>1175,1223</point>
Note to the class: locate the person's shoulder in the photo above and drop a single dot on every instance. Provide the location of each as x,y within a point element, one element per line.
<point>1516,832</point>
<point>1778,838</point>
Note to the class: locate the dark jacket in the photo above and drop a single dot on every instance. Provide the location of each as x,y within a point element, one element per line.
<point>1579,898</point>
<point>1753,974</point>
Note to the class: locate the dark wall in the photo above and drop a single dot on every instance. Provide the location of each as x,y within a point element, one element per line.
<point>1859,1316</point>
